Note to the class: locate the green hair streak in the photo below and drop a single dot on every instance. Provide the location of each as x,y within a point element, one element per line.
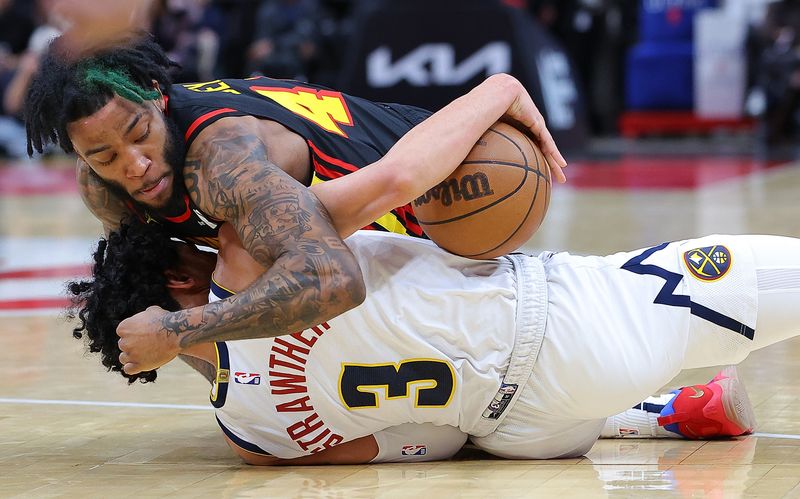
<point>119,82</point>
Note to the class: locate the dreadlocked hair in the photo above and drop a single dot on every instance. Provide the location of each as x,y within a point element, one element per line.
<point>127,277</point>
<point>65,89</point>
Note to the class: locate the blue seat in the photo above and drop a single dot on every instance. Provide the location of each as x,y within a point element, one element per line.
<point>669,20</point>
<point>660,75</point>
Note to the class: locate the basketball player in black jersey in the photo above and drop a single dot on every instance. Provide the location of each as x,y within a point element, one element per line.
<point>243,151</point>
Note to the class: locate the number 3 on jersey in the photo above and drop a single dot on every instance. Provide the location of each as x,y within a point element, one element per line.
<point>434,382</point>
<point>322,107</point>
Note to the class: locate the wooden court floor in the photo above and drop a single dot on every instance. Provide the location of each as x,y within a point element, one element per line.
<point>69,429</point>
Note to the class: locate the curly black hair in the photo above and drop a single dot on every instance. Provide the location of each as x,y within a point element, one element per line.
<point>127,277</point>
<point>66,88</point>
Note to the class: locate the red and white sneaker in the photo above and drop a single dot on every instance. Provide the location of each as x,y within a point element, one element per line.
<point>720,408</point>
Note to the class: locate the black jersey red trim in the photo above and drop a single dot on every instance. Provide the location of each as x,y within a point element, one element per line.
<point>184,216</point>
<point>371,130</point>
<point>326,166</point>
<point>202,119</point>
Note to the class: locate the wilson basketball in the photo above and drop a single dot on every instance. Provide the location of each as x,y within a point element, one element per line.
<point>493,202</point>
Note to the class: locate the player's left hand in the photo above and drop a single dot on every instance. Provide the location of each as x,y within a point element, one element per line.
<point>524,112</point>
<point>144,343</point>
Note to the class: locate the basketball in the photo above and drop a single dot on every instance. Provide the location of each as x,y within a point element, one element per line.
<point>493,202</point>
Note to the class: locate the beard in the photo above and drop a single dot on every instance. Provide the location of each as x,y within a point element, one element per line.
<point>175,157</point>
<point>174,149</point>
<point>174,154</point>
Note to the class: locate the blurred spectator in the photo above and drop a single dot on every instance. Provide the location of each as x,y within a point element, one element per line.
<point>17,79</point>
<point>286,39</point>
<point>777,75</point>
<point>596,35</point>
<point>16,26</point>
<point>238,28</point>
<point>189,32</point>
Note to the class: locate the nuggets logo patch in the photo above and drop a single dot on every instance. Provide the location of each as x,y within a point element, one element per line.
<point>708,264</point>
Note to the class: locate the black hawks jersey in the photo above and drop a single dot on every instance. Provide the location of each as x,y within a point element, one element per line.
<point>343,133</point>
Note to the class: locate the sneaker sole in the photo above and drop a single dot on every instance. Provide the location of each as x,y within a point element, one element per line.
<point>736,402</point>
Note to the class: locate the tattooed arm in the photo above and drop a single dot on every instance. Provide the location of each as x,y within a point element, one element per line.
<point>312,275</point>
<point>104,204</point>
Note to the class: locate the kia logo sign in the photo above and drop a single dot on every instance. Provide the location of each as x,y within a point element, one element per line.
<point>434,64</point>
<point>558,89</point>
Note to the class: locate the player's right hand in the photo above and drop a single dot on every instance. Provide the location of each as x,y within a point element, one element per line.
<point>144,343</point>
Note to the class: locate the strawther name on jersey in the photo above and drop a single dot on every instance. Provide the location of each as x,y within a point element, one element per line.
<point>288,385</point>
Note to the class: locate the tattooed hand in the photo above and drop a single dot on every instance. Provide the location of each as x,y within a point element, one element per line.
<point>144,342</point>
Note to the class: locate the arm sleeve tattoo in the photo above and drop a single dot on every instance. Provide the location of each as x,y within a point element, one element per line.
<point>312,276</point>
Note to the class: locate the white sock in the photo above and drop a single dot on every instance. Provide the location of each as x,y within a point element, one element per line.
<point>639,422</point>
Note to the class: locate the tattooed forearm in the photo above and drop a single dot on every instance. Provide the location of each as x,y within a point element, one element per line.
<point>312,276</point>
<point>102,202</point>
<point>281,301</point>
<point>208,371</point>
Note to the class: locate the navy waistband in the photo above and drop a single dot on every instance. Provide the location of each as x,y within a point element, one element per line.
<point>219,291</point>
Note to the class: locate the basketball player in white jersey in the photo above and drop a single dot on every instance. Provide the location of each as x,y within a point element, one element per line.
<point>528,356</point>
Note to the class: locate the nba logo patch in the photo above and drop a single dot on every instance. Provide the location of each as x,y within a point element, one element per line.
<point>414,450</point>
<point>244,378</point>
<point>628,432</point>
<point>708,264</point>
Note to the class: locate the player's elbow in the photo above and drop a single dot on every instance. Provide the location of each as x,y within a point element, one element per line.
<point>342,288</point>
<point>403,186</point>
<point>352,287</point>
<point>398,179</point>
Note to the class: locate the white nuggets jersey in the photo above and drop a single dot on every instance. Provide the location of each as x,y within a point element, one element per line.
<point>430,344</point>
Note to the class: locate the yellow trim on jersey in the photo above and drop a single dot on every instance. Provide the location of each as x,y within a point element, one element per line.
<point>389,221</point>
<point>223,376</point>
<point>429,384</point>
<point>224,289</point>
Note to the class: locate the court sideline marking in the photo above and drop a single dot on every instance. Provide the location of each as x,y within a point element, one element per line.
<point>189,407</point>
<point>97,403</point>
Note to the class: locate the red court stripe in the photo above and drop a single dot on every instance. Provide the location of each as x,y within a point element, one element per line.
<point>34,303</point>
<point>66,271</point>
<point>32,180</point>
<point>199,121</point>
<point>674,172</point>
